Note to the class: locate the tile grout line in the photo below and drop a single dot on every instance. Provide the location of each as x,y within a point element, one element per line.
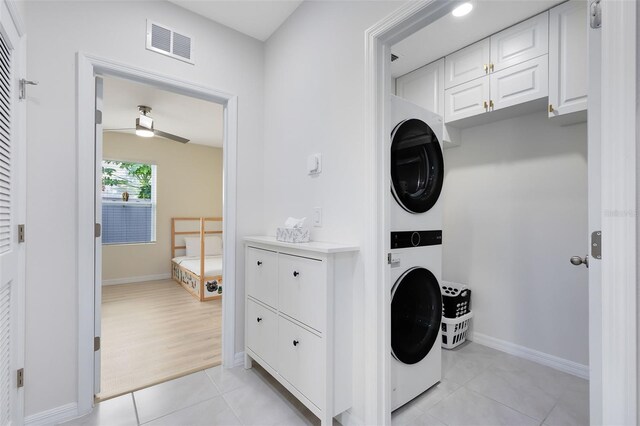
<point>498,402</point>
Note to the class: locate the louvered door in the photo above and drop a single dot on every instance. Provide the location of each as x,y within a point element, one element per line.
<point>11,209</point>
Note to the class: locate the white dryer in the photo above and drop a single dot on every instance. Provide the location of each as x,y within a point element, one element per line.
<point>417,167</point>
<point>416,317</point>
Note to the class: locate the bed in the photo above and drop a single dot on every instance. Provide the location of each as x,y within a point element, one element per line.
<point>196,255</point>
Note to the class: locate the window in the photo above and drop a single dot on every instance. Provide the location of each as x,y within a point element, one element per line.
<point>128,202</point>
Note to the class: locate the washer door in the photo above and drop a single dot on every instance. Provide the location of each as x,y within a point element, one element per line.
<point>417,166</point>
<point>416,314</point>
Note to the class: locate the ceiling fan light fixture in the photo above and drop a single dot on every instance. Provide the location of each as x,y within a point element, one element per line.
<point>144,132</point>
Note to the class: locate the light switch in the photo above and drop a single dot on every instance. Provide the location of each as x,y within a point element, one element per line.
<point>314,164</point>
<point>317,216</point>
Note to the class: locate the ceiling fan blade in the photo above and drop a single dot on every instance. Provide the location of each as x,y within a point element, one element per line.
<point>170,136</point>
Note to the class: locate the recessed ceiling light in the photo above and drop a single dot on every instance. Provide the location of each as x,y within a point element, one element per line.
<point>462,10</point>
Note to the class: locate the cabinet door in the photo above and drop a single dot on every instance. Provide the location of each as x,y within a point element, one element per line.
<point>424,87</point>
<point>467,64</point>
<point>466,100</point>
<point>302,290</point>
<point>300,355</point>
<point>520,83</point>
<point>262,332</point>
<point>262,275</point>
<point>524,41</point>
<point>568,58</point>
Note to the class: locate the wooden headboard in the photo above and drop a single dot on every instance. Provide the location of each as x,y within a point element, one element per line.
<point>185,226</point>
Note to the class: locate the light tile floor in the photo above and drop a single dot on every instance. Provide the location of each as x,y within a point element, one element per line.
<point>480,386</point>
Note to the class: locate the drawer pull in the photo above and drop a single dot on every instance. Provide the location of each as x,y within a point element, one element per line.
<point>259,263</point>
<point>296,273</point>
<point>259,319</point>
<point>295,343</point>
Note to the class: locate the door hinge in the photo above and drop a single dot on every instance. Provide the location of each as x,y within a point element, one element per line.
<point>96,343</point>
<point>21,233</point>
<point>22,87</point>
<point>595,13</point>
<point>596,244</point>
<point>98,230</point>
<point>98,116</point>
<point>20,377</point>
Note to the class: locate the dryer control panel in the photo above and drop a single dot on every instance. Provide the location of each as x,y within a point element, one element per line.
<point>407,239</point>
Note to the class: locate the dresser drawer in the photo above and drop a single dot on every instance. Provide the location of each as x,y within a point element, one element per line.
<point>262,332</point>
<point>300,356</point>
<point>262,275</point>
<point>302,290</point>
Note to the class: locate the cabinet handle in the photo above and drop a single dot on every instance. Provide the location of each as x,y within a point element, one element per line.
<point>551,108</point>
<point>296,273</point>
<point>295,343</point>
<point>485,67</point>
<point>490,104</point>
<point>259,263</point>
<point>491,67</point>
<point>259,319</point>
<point>486,105</point>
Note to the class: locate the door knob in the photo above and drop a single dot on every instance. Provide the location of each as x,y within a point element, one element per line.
<point>577,260</point>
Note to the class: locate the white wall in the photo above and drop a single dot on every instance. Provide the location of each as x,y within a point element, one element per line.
<point>515,211</point>
<point>188,184</point>
<point>314,102</point>
<point>225,60</point>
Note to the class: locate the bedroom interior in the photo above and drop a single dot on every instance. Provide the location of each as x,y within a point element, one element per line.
<point>162,282</point>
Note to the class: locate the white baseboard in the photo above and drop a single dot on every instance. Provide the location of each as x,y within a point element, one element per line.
<point>552,361</point>
<point>347,418</point>
<point>143,278</point>
<point>53,416</point>
<point>238,359</point>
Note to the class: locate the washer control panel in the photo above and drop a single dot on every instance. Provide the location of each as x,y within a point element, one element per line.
<point>406,239</point>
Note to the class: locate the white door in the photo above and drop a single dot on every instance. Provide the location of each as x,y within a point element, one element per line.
<point>424,87</point>
<point>12,212</point>
<point>467,64</point>
<point>520,83</point>
<point>524,41</point>
<point>98,245</point>
<point>568,58</point>
<point>466,100</point>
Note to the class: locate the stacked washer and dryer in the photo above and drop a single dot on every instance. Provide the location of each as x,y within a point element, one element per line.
<point>417,174</point>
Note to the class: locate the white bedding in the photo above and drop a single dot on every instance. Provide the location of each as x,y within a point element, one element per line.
<point>212,264</point>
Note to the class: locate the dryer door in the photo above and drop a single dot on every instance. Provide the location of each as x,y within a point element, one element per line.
<point>417,166</point>
<point>416,314</point>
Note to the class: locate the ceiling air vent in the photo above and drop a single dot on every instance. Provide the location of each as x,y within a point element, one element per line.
<point>164,40</point>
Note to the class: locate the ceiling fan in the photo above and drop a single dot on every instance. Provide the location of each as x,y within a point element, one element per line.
<point>144,127</point>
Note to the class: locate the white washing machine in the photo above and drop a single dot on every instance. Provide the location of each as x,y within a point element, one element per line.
<point>417,174</point>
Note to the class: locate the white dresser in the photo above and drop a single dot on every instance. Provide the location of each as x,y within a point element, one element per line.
<point>298,322</point>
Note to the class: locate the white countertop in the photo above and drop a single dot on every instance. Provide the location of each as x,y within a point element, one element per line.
<point>314,246</point>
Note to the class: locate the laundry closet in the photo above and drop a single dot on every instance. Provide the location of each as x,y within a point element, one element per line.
<point>509,83</point>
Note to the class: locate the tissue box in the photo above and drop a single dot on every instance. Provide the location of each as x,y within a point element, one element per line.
<point>292,235</point>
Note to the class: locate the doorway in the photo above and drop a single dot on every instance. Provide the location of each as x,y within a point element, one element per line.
<point>160,182</point>
<point>89,69</point>
<point>603,307</point>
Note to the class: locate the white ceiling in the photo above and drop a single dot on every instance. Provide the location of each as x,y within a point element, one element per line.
<point>449,33</point>
<point>256,18</point>
<point>197,120</point>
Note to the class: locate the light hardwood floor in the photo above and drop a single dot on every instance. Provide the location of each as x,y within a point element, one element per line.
<point>153,332</point>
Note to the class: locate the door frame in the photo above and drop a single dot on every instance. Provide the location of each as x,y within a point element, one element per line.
<point>619,208</point>
<point>88,67</point>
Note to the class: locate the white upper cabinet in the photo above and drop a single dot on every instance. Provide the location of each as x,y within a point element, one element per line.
<point>518,84</point>
<point>424,86</point>
<point>520,43</point>
<point>568,58</point>
<point>467,99</point>
<point>467,64</point>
